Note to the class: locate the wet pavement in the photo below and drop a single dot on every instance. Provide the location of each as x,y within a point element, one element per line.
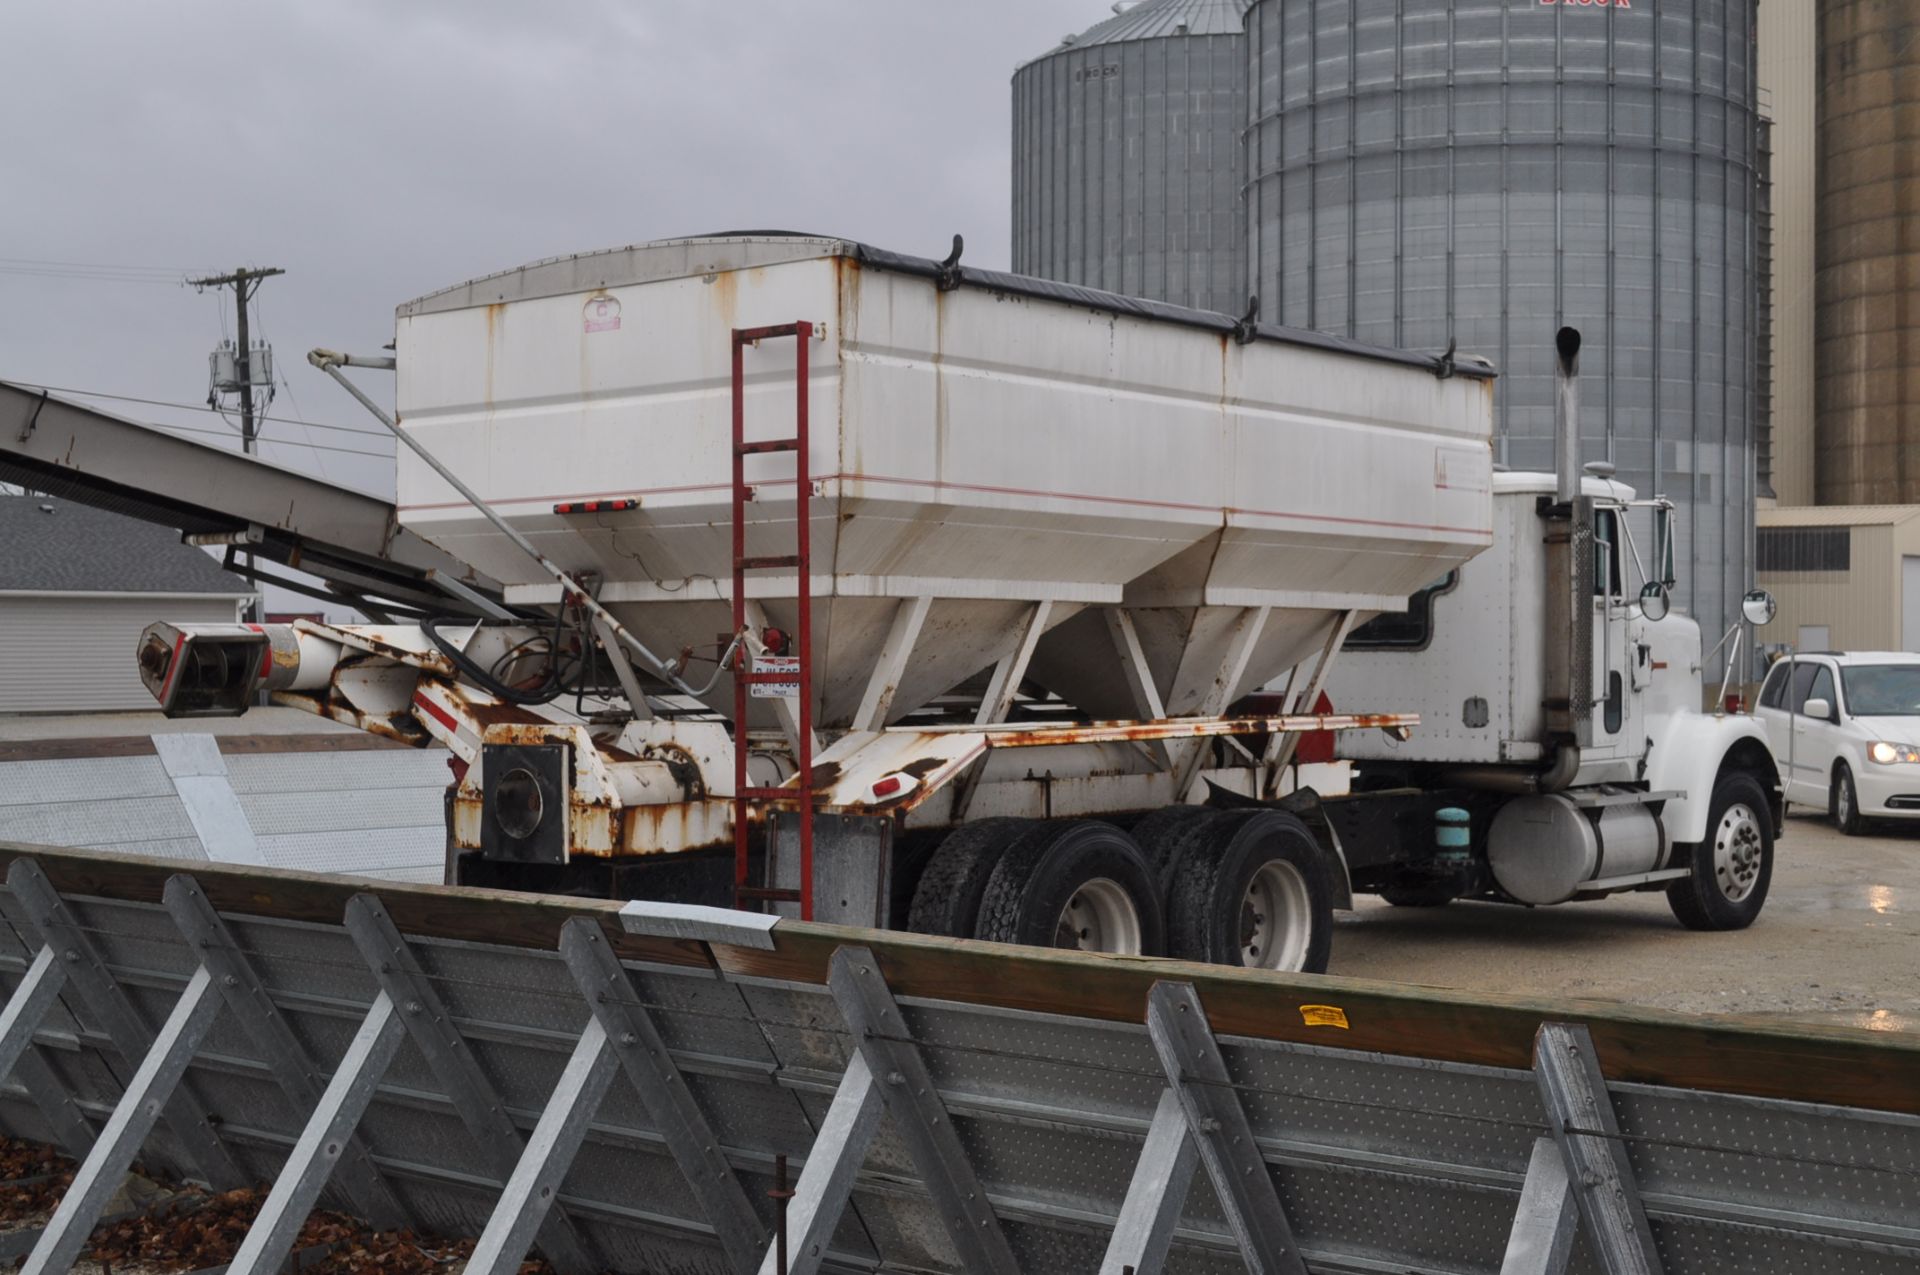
<point>1838,942</point>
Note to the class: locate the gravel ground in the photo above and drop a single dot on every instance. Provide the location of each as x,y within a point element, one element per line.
<point>1838,942</point>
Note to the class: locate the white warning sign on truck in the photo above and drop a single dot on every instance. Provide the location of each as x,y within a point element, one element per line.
<point>776,664</point>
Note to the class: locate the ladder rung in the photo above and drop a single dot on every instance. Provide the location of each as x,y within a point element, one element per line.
<point>764,892</point>
<point>768,445</point>
<point>756,564</point>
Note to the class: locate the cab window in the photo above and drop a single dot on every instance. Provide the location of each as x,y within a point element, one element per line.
<point>1408,630</point>
<point>1606,553</point>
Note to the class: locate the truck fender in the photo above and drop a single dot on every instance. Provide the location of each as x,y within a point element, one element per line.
<point>1688,754</point>
<point>1305,805</point>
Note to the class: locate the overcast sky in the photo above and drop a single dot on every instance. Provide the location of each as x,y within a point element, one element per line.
<point>378,151</point>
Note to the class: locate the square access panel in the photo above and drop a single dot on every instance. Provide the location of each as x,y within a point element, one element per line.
<point>524,811</point>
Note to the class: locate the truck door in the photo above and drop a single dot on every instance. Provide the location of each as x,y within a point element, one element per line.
<point>1614,705</point>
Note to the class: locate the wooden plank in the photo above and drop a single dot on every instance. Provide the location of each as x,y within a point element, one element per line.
<point>1846,1066</point>
<point>91,747</point>
<point>434,911</point>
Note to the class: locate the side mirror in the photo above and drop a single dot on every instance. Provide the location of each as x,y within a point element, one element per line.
<point>1819,708</point>
<point>1759,607</point>
<point>1655,601</point>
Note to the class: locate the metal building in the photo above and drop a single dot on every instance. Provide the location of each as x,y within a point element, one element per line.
<point>1867,323</point>
<point>1127,155</point>
<point>1485,171</point>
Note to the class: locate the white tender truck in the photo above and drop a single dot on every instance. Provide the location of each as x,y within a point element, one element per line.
<point>885,590</point>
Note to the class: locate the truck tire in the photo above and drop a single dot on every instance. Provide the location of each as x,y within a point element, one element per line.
<point>1843,803</point>
<point>1732,867</point>
<point>1075,884</point>
<point>1164,835</point>
<point>1258,896</point>
<point>947,899</point>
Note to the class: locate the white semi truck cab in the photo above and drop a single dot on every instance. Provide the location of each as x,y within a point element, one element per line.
<point>879,589</point>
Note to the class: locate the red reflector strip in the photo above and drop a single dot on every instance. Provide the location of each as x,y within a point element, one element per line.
<point>596,506</point>
<point>886,787</point>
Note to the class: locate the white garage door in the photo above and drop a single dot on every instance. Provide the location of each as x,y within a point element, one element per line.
<point>67,654</point>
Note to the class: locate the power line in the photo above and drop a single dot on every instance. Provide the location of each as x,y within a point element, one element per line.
<point>199,407</point>
<point>275,442</point>
<point>179,272</point>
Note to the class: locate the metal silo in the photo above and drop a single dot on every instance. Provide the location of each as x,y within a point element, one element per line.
<point>1867,321</point>
<point>1127,155</point>
<point>1486,171</point>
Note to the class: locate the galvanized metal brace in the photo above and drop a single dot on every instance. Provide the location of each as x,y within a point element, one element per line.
<point>1197,1074</point>
<point>1574,1093</point>
<point>102,994</point>
<point>299,1078</point>
<point>1547,1221</point>
<point>478,1104</point>
<point>1156,1194</point>
<point>643,1055</point>
<point>20,1055</point>
<point>907,1088</point>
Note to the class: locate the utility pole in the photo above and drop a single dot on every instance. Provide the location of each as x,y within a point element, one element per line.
<point>244,282</point>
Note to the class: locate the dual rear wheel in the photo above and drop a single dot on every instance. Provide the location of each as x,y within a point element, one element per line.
<point>1236,887</point>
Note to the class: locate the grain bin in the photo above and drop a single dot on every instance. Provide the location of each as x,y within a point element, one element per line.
<point>1127,155</point>
<point>1867,323</point>
<point>1486,171</point>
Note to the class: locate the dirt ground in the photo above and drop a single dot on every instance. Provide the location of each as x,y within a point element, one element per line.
<point>1838,942</point>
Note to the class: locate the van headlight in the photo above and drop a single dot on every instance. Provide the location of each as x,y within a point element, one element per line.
<point>1888,754</point>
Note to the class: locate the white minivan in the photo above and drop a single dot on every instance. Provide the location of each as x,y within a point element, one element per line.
<point>1845,732</point>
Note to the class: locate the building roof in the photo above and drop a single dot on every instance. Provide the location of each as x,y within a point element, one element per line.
<point>57,546</point>
<point>1160,19</point>
<point>1836,515</point>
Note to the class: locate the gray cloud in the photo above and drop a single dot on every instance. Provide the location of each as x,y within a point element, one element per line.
<point>381,150</point>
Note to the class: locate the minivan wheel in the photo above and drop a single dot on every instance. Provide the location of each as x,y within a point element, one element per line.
<point>1845,803</point>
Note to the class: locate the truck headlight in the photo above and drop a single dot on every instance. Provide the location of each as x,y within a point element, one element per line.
<point>1888,754</point>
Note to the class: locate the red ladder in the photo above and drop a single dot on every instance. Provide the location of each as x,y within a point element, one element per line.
<point>745,676</point>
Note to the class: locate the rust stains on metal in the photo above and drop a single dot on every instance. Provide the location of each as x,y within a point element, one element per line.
<point>1196,728</point>
<point>825,775</point>
<point>677,827</point>
<point>921,767</point>
<point>509,715</point>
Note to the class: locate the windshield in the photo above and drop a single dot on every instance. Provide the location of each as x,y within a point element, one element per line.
<point>1882,690</point>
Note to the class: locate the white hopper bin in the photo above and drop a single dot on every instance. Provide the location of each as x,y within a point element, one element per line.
<point>989,447</point>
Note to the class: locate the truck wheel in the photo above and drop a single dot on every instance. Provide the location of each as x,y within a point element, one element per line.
<point>1844,803</point>
<point>947,900</point>
<point>1732,868</point>
<point>1079,884</point>
<point>1257,896</point>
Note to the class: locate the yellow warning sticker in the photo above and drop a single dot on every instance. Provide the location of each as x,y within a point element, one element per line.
<point>1323,1016</point>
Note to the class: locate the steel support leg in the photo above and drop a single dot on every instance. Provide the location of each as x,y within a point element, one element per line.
<point>877,701</point>
<point>249,1001</point>
<point>1545,1224</point>
<point>1282,747</point>
<point>327,1137</point>
<point>1581,1112</point>
<point>432,1029</point>
<point>650,1068</point>
<point>103,996</point>
<point>158,1075</point>
<point>1218,1124</point>
<point>826,1180</point>
<point>907,1088</point>
<point>536,1179</point>
<point>1156,1194</point>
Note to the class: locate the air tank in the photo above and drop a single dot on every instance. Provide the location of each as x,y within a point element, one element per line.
<point>1127,156</point>
<point>1425,172</point>
<point>1867,321</point>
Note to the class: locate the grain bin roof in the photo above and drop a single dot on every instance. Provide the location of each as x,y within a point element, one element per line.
<point>57,546</point>
<point>1157,19</point>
